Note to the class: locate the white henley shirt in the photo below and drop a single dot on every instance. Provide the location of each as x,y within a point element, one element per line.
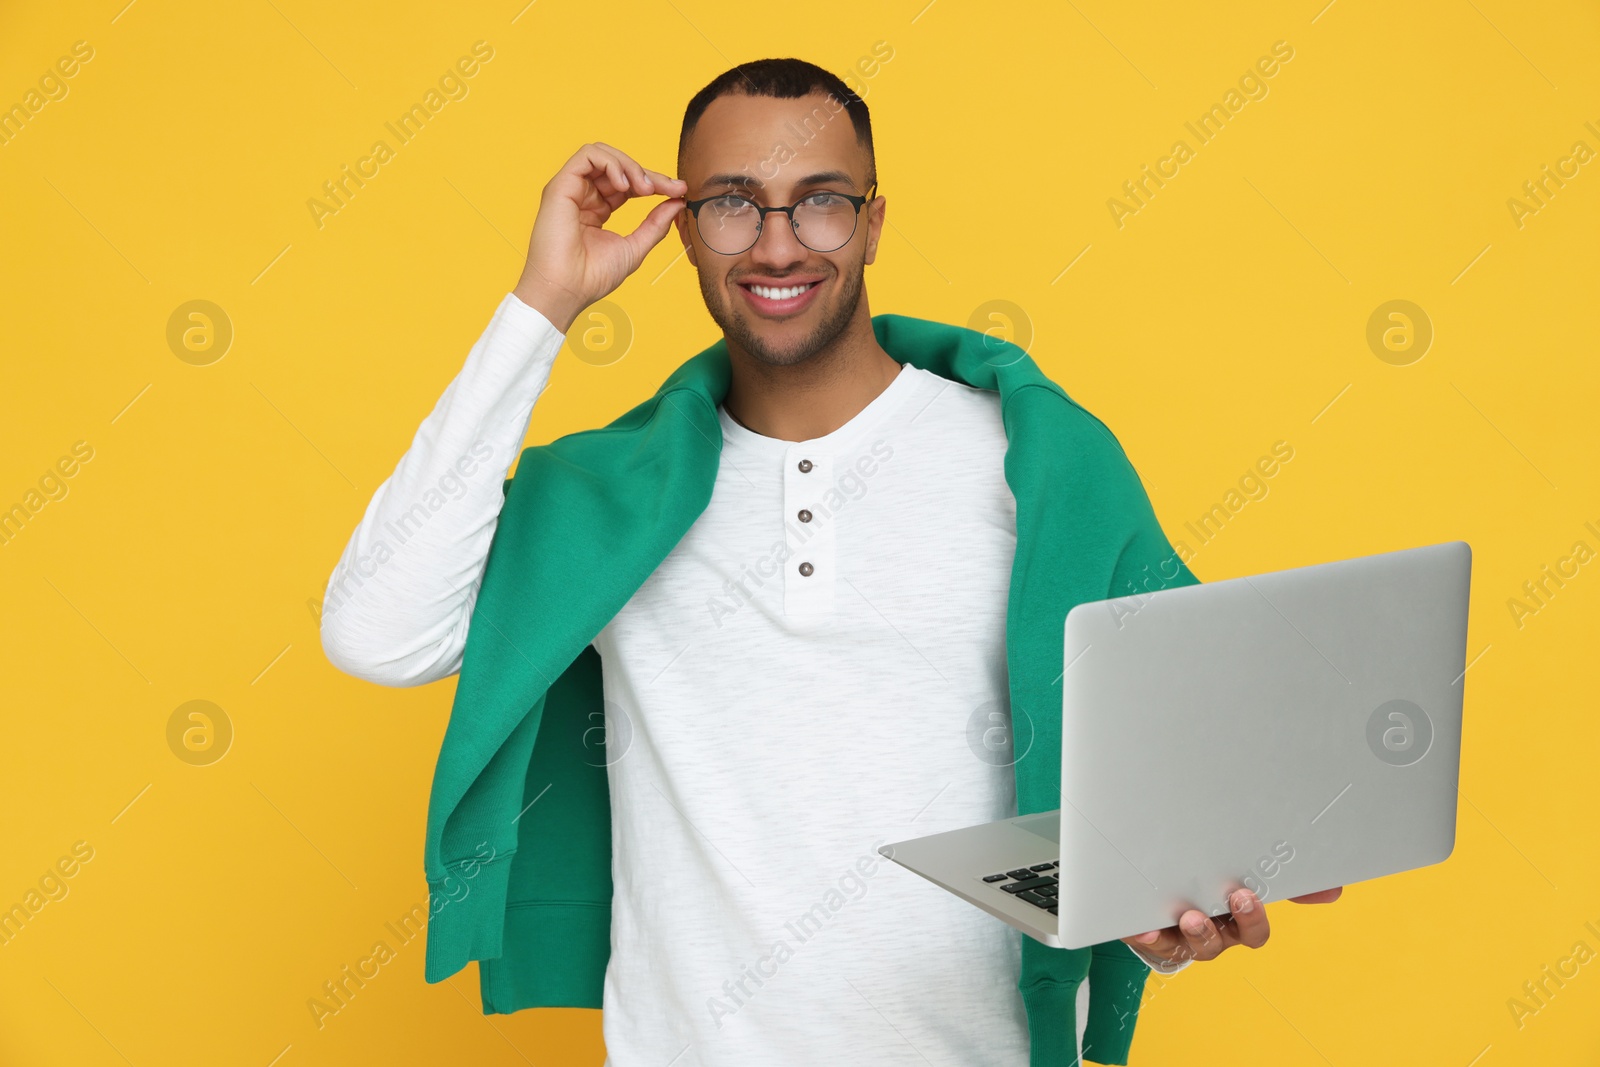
<point>813,670</point>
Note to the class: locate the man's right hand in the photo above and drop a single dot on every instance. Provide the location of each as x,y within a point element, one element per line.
<point>572,259</point>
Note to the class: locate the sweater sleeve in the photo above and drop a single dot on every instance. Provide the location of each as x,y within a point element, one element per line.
<point>1147,562</point>
<point>1159,966</point>
<point>398,603</point>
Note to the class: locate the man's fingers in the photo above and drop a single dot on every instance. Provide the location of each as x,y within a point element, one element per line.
<point>1200,935</point>
<point>613,173</point>
<point>667,186</point>
<point>591,171</point>
<point>1165,944</point>
<point>641,181</point>
<point>632,172</point>
<point>1249,921</point>
<point>572,258</point>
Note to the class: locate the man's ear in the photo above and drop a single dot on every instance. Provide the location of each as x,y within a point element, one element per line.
<point>682,222</point>
<point>875,213</point>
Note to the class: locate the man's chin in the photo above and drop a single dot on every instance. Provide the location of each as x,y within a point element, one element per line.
<point>786,342</point>
<point>778,344</point>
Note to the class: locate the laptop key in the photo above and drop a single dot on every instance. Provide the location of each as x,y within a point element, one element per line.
<point>1021,872</point>
<point>1052,909</point>
<point>1036,900</point>
<point>995,877</point>
<point>1030,883</point>
<point>1041,867</point>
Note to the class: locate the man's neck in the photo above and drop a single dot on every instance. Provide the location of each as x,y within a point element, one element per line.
<point>817,396</point>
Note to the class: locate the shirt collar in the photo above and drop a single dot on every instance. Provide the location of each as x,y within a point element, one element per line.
<point>906,384</point>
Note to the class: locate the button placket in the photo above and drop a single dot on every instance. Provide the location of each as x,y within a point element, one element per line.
<point>809,572</point>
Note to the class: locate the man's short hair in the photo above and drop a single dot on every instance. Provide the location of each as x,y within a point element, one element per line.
<point>784,79</point>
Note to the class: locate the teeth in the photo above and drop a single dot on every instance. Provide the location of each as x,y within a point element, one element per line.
<point>770,293</point>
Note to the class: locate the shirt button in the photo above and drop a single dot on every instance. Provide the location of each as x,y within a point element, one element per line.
<point>805,516</point>
<point>805,466</point>
<point>806,569</point>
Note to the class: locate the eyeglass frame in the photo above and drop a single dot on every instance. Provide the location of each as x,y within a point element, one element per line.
<point>762,212</point>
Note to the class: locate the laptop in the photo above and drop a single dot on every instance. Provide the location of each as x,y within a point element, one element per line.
<point>1283,732</point>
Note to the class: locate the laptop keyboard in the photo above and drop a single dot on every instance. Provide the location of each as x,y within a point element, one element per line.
<point>1035,884</point>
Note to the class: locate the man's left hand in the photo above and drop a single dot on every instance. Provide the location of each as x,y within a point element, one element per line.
<point>1197,937</point>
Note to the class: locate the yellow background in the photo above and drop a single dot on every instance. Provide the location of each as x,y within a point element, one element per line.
<point>1227,314</point>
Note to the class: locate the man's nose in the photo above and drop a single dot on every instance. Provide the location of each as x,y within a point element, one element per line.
<point>776,245</point>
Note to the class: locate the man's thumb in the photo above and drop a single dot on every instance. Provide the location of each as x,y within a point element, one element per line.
<point>654,227</point>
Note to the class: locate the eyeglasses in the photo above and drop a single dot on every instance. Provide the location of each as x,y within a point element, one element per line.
<point>823,221</point>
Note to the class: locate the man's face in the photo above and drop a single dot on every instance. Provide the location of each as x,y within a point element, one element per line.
<point>775,150</point>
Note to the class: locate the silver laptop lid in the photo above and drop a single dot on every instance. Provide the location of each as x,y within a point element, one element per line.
<point>1310,717</point>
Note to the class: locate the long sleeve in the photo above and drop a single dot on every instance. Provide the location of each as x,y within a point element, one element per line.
<point>1159,966</point>
<point>398,603</point>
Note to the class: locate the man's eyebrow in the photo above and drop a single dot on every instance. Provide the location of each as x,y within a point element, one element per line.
<point>746,181</point>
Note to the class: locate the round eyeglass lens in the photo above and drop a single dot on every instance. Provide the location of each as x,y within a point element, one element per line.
<point>823,222</point>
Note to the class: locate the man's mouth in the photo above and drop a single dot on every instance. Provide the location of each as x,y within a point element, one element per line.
<point>780,300</point>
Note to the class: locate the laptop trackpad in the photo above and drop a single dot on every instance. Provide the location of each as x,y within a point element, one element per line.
<point>1047,824</point>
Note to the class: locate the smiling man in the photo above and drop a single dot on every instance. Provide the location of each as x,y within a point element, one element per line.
<point>798,593</point>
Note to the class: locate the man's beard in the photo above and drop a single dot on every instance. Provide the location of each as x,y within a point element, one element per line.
<point>739,329</point>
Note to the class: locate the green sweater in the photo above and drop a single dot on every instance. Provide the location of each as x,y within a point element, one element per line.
<point>518,850</point>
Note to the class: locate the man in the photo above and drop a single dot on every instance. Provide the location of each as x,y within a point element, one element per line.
<point>797,679</point>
